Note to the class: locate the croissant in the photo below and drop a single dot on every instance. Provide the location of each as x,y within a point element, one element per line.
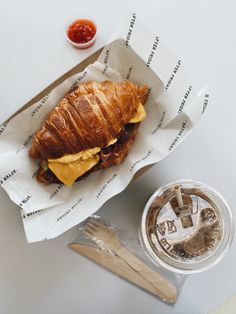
<point>97,115</point>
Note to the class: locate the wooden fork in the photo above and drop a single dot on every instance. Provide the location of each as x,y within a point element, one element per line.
<point>108,240</point>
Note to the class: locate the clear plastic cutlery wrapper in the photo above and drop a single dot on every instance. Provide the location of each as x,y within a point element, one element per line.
<point>185,227</point>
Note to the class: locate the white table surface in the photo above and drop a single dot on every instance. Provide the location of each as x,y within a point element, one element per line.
<point>47,277</point>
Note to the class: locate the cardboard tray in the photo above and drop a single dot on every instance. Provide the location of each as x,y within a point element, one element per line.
<point>76,69</point>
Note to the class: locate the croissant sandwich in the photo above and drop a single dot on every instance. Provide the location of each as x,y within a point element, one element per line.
<point>91,128</point>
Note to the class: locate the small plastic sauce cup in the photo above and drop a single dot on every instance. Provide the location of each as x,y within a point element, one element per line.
<point>81,32</point>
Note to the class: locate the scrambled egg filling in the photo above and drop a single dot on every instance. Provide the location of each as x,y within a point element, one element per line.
<point>70,167</point>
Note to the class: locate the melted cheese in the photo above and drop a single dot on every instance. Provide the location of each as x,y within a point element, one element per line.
<point>71,166</point>
<point>113,141</point>
<point>83,155</point>
<point>140,114</point>
<point>69,172</point>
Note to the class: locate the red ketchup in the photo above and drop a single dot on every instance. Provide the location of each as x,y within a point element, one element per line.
<point>82,31</point>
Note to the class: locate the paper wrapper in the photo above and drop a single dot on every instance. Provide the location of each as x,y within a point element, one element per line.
<point>173,108</point>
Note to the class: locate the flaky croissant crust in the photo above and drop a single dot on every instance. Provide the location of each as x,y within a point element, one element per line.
<point>88,117</point>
